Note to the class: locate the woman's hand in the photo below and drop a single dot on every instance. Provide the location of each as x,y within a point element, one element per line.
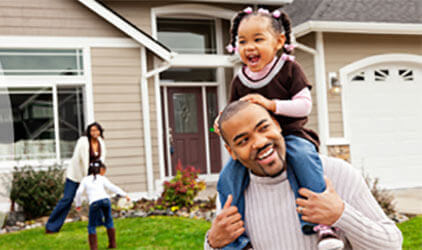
<point>261,100</point>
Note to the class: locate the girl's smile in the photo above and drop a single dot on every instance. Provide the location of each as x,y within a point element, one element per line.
<point>258,43</point>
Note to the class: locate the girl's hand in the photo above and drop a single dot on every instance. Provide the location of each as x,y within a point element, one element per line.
<point>216,128</point>
<point>259,99</point>
<point>127,198</point>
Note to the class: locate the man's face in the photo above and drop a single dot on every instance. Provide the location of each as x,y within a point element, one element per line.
<point>254,138</point>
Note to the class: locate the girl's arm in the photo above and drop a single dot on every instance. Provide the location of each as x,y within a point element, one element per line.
<point>299,106</point>
<point>110,186</point>
<point>79,193</point>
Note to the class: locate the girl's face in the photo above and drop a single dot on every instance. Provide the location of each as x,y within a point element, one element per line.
<point>94,132</point>
<point>102,171</point>
<point>258,42</point>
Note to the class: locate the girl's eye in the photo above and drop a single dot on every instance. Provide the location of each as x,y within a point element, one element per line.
<point>242,42</point>
<point>259,39</point>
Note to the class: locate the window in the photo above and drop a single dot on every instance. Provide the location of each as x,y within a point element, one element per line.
<point>189,75</point>
<point>41,62</point>
<point>33,118</point>
<point>46,116</point>
<point>188,36</point>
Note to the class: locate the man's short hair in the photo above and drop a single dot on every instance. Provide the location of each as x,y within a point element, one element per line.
<point>229,111</point>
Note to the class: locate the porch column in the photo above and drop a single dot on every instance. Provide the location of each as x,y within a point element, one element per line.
<point>146,121</point>
<point>321,92</point>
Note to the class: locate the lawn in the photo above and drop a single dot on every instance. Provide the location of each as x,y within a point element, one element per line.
<point>412,233</point>
<point>151,233</point>
<point>132,233</point>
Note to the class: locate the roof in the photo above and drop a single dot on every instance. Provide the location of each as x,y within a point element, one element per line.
<point>127,27</point>
<point>382,11</point>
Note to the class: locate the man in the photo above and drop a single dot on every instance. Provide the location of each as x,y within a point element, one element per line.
<point>254,138</point>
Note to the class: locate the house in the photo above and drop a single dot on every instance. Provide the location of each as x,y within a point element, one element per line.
<point>155,75</point>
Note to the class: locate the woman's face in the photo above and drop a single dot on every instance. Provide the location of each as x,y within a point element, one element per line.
<point>94,132</point>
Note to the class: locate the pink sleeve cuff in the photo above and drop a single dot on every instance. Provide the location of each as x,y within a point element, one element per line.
<point>299,106</point>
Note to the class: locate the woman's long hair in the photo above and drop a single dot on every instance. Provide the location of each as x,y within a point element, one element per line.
<point>88,129</point>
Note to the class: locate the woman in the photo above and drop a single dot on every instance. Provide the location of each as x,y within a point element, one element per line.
<point>89,148</point>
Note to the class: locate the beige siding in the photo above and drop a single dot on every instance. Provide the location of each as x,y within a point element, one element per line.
<point>343,49</point>
<point>117,106</point>
<point>52,18</point>
<point>306,60</point>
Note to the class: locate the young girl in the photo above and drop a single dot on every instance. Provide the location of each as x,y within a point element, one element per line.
<point>99,202</point>
<point>277,83</point>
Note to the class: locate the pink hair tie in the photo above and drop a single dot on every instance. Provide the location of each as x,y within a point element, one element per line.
<point>230,48</point>
<point>248,10</point>
<point>286,57</point>
<point>289,47</point>
<point>263,11</point>
<point>276,14</point>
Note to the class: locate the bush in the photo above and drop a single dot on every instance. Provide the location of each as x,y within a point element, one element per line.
<point>180,191</point>
<point>37,191</point>
<point>384,198</point>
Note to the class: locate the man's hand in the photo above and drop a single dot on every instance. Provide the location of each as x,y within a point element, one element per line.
<point>226,227</point>
<point>261,100</point>
<point>216,127</point>
<point>324,208</point>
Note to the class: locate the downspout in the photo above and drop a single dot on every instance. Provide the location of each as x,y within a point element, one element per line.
<point>146,117</point>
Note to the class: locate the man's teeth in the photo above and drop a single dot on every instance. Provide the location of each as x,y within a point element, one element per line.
<point>266,154</point>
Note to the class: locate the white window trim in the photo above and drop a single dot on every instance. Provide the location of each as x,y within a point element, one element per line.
<point>361,64</point>
<point>24,42</point>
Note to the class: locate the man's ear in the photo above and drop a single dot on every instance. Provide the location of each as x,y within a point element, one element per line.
<point>229,149</point>
<point>276,123</point>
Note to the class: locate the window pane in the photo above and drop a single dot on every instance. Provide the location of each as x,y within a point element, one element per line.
<point>212,107</point>
<point>188,35</point>
<point>33,124</point>
<point>185,113</point>
<point>71,118</point>
<point>41,62</point>
<point>189,75</point>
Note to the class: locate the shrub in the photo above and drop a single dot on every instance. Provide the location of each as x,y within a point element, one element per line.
<point>384,198</point>
<point>37,191</point>
<point>180,191</point>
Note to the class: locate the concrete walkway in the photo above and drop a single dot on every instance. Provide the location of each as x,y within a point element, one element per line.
<point>408,200</point>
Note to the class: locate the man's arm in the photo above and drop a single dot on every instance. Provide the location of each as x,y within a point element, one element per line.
<point>359,216</point>
<point>225,228</point>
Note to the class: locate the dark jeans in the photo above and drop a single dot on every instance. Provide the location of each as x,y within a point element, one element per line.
<point>97,211</point>
<point>57,217</point>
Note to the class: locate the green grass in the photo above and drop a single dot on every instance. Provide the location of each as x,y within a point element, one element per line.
<point>412,233</point>
<point>151,233</point>
<point>133,233</point>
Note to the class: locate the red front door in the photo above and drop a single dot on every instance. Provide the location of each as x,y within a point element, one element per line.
<point>186,125</point>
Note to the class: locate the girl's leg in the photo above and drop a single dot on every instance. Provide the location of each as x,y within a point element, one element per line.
<point>304,170</point>
<point>57,217</point>
<point>108,223</point>
<point>233,179</point>
<point>94,212</point>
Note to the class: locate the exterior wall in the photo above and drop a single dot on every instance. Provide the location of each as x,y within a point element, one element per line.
<point>117,106</point>
<point>343,49</point>
<point>52,18</point>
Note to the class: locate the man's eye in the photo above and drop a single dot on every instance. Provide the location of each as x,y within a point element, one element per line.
<point>264,127</point>
<point>242,142</point>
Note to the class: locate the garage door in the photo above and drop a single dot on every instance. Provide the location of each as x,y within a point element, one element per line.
<point>383,106</point>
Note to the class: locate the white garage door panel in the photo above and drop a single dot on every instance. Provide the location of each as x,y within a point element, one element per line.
<point>385,124</point>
